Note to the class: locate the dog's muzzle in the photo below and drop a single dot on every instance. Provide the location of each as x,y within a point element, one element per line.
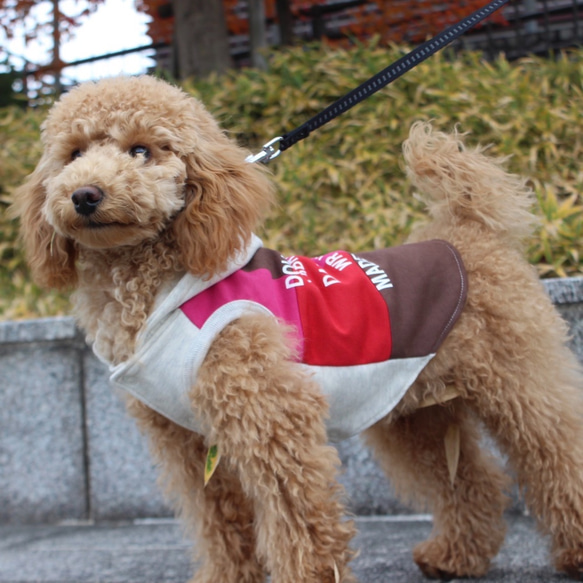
<point>86,200</point>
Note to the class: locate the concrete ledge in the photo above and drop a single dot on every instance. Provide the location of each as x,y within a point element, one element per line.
<point>565,291</point>
<point>68,451</point>
<point>121,475</point>
<point>40,330</point>
<point>42,443</point>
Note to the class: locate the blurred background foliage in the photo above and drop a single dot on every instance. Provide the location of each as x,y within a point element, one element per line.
<point>344,186</point>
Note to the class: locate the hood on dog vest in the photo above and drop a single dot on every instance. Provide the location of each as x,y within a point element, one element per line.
<point>366,325</point>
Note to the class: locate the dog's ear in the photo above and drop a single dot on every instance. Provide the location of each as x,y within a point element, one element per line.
<point>51,257</point>
<point>225,199</point>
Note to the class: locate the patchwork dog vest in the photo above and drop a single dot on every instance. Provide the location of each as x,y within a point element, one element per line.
<point>365,325</point>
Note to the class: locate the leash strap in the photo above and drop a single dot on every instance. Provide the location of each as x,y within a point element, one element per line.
<point>374,84</point>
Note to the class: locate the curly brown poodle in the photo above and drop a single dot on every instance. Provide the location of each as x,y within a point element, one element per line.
<point>147,209</point>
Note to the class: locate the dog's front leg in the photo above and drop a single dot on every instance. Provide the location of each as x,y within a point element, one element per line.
<point>266,416</point>
<point>219,515</point>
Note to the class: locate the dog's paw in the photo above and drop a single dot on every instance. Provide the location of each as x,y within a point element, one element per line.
<point>438,559</point>
<point>570,561</point>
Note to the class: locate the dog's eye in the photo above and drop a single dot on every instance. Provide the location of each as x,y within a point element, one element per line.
<point>138,150</point>
<point>76,154</point>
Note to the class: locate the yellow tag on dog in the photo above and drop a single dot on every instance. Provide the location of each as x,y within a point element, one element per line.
<point>452,450</point>
<point>212,461</point>
<point>336,574</point>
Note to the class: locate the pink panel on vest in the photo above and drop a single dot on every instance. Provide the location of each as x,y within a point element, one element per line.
<point>257,286</point>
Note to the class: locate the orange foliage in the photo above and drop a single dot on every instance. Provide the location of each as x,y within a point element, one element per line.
<point>393,20</point>
<point>16,12</point>
<point>411,21</point>
<point>159,29</point>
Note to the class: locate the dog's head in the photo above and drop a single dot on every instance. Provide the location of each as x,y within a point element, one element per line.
<point>126,159</point>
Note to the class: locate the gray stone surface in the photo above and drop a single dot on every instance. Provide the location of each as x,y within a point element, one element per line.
<point>42,449</point>
<point>565,290</point>
<point>123,479</point>
<point>369,492</point>
<point>39,330</point>
<point>573,315</point>
<point>157,552</point>
<point>567,295</point>
<point>68,450</point>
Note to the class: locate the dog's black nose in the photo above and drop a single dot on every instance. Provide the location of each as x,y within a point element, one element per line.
<point>86,199</point>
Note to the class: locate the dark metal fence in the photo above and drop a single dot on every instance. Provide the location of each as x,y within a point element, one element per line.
<point>540,27</point>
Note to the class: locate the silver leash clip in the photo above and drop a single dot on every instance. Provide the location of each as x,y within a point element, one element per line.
<point>267,153</point>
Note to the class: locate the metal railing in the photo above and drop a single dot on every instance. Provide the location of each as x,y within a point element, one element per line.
<point>539,27</point>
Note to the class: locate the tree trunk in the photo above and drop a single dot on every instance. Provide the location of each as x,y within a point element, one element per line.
<point>201,40</point>
<point>57,48</point>
<point>257,37</point>
<point>284,15</point>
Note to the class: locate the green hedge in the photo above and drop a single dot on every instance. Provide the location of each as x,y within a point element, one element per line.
<point>19,152</point>
<point>344,186</point>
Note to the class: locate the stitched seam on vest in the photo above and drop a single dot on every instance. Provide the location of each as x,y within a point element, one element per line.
<point>460,302</point>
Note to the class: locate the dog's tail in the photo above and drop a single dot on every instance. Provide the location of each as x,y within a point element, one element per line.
<point>459,183</point>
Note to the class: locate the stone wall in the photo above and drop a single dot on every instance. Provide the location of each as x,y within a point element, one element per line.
<point>68,451</point>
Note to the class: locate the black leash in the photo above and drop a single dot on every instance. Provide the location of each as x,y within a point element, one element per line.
<point>374,84</point>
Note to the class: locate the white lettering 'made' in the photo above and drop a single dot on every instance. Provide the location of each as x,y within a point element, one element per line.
<point>376,275</point>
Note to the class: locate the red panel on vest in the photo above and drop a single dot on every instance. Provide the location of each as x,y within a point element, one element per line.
<point>348,319</point>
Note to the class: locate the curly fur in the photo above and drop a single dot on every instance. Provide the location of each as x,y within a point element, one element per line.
<point>274,505</point>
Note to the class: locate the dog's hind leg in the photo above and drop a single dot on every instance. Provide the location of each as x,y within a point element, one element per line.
<point>467,509</point>
<point>267,418</point>
<point>219,515</point>
<point>537,419</point>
